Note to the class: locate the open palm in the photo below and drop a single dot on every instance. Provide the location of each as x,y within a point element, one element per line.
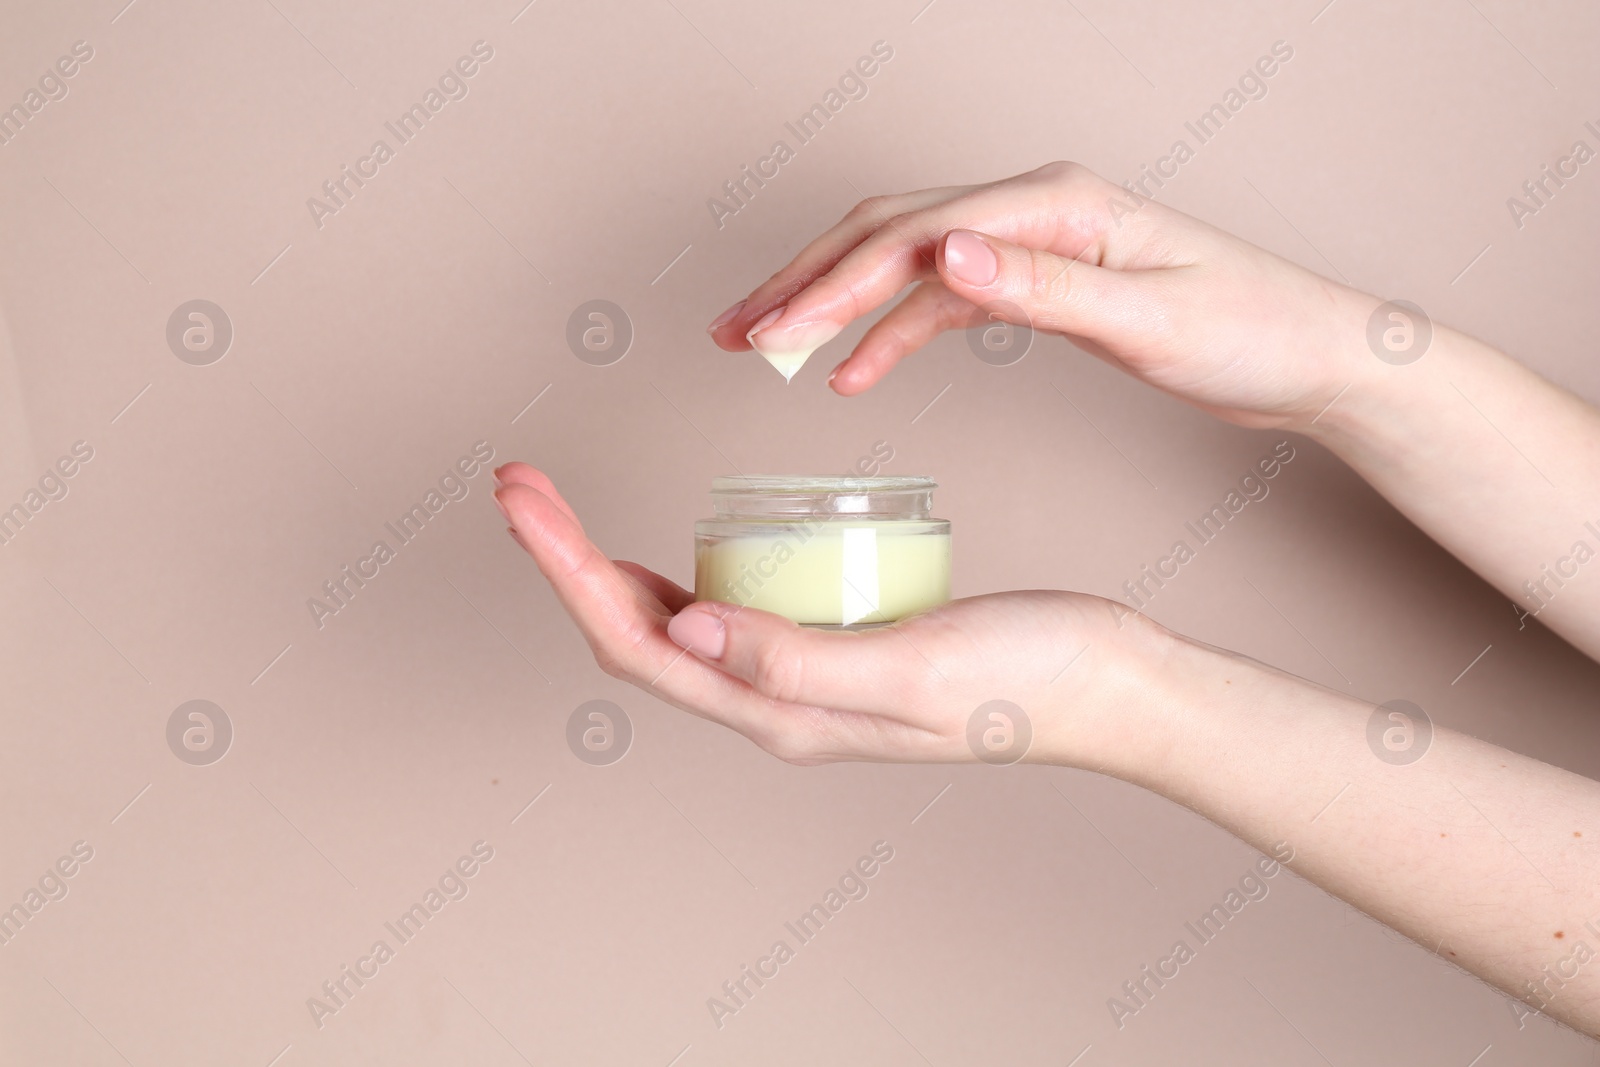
<point>899,693</point>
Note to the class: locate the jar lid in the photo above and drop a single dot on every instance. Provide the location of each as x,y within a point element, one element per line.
<point>754,497</point>
<point>811,483</point>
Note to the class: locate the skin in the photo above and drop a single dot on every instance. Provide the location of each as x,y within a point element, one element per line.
<point>1482,855</point>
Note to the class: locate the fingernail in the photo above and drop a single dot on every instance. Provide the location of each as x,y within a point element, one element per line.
<point>499,504</point>
<point>726,317</point>
<point>766,320</point>
<point>788,344</point>
<point>700,632</point>
<point>834,373</point>
<point>803,336</point>
<point>969,258</point>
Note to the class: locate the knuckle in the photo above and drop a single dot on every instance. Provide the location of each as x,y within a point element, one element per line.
<point>873,207</point>
<point>778,671</point>
<point>1051,280</point>
<point>892,340</point>
<point>1061,170</point>
<point>610,663</point>
<point>1073,180</point>
<point>621,660</point>
<point>840,288</point>
<point>906,225</point>
<point>789,746</point>
<point>570,565</point>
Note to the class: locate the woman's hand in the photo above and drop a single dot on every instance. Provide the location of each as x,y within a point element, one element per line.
<point>1494,462</point>
<point>1422,846</point>
<point>900,693</point>
<point>1194,311</point>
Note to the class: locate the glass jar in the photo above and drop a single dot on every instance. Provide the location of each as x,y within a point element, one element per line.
<point>843,552</point>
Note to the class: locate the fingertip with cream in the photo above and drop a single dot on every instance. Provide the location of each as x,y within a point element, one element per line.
<point>787,345</point>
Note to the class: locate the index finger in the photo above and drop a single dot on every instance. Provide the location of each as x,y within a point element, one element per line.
<point>820,256</point>
<point>1037,213</point>
<point>628,639</point>
<point>591,588</point>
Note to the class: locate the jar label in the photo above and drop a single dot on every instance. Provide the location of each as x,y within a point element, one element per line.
<point>858,575</point>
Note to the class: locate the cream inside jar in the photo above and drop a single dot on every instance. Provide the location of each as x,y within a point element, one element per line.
<point>844,552</point>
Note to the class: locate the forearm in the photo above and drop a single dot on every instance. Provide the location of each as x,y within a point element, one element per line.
<point>1484,856</point>
<point>1498,465</point>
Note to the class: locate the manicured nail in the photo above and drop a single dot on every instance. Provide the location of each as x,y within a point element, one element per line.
<point>766,320</point>
<point>499,504</point>
<point>726,317</point>
<point>834,373</point>
<point>969,258</point>
<point>700,632</point>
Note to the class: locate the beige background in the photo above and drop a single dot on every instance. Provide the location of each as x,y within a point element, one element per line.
<point>370,354</point>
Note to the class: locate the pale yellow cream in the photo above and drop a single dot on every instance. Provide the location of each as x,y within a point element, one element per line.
<point>838,573</point>
<point>800,342</point>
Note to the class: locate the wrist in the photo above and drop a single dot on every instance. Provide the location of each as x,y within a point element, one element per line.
<point>1137,701</point>
<point>1182,684</point>
<point>1167,710</point>
<point>1341,364</point>
<point>1387,384</point>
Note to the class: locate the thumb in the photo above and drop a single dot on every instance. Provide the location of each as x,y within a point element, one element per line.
<point>1032,287</point>
<point>872,671</point>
